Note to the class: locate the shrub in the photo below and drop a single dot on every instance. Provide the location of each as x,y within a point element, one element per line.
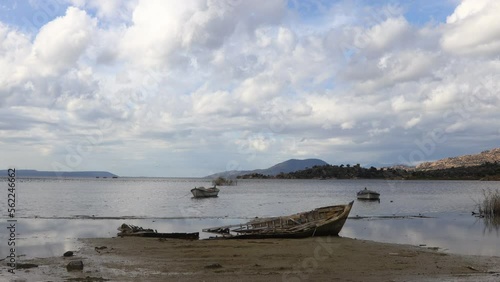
<point>490,206</point>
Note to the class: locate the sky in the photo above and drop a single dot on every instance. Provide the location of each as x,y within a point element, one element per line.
<point>190,88</point>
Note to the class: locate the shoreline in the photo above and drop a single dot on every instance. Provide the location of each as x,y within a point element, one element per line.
<point>309,259</point>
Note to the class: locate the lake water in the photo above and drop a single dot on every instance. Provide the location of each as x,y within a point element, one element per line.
<point>52,213</point>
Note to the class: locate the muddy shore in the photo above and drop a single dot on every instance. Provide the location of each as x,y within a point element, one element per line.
<point>310,259</point>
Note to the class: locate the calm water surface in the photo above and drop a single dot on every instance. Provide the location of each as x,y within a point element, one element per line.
<point>51,213</point>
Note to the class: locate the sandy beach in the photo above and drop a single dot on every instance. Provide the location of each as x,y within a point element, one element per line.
<point>310,259</point>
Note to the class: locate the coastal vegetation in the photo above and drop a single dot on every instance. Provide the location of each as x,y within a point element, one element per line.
<point>482,166</point>
<point>334,172</point>
<point>485,171</point>
<point>221,181</point>
<point>490,206</point>
<point>489,209</point>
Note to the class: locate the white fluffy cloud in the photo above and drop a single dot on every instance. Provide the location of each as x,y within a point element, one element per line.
<point>162,29</point>
<point>61,42</point>
<point>14,48</point>
<point>473,29</point>
<point>240,83</point>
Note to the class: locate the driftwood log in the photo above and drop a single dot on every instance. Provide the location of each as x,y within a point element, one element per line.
<point>132,230</point>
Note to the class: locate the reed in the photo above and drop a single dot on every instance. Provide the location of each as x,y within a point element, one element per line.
<point>490,206</point>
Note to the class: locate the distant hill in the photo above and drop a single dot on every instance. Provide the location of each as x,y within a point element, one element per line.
<point>285,167</point>
<point>39,173</point>
<point>291,166</point>
<point>489,156</point>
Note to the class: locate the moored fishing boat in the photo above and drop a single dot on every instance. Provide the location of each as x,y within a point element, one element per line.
<point>366,194</point>
<point>324,221</point>
<point>202,192</point>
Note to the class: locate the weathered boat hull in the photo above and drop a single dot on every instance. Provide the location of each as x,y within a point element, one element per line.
<point>332,230</point>
<point>201,192</point>
<point>325,221</point>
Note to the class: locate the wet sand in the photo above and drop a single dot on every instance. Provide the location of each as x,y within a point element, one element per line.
<point>310,259</point>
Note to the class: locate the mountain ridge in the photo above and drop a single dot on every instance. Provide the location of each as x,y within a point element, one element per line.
<point>287,166</point>
<point>488,156</point>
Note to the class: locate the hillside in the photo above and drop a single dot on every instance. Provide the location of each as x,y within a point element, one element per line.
<point>486,171</point>
<point>343,172</point>
<point>291,166</point>
<point>483,166</point>
<point>490,156</point>
<point>285,167</point>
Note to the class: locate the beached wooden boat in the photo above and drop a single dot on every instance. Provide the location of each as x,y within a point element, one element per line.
<point>366,194</point>
<point>324,221</point>
<point>137,231</point>
<point>202,192</point>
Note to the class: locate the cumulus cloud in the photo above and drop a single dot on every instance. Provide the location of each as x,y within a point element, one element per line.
<point>473,29</point>
<point>160,30</point>
<point>61,42</point>
<point>114,11</point>
<point>242,83</point>
<point>14,48</point>
<point>388,34</point>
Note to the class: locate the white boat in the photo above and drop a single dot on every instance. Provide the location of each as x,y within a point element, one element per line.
<point>202,192</point>
<point>366,194</point>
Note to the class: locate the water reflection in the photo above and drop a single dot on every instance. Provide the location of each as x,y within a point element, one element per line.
<point>453,233</point>
<point>96,207</point>
<point>461,234</point>
<point>368,207</point>
<point>491,224</point>
<point>145,197</point>
<point>52,237</point>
